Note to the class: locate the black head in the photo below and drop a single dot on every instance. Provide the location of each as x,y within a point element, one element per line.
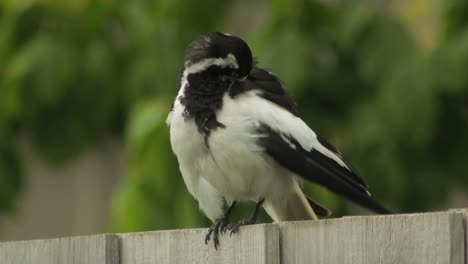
<point>213,63</point>
<point>227,52</point>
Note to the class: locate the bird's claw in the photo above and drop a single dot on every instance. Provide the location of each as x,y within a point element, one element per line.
<point>234,228</point>
<point>223,227</point>
<point>217,227</point>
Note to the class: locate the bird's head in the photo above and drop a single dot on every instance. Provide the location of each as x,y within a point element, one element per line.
<point>222,55</point>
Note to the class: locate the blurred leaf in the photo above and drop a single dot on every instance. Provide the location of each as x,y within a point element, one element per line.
<point>456,17</point>
<point>153,179</point>
<point>11,174</point>
<point>75,72</point>
<point>387,45</point>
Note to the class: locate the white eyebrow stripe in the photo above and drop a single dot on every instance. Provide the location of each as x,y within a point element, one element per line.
<point>229,61</point>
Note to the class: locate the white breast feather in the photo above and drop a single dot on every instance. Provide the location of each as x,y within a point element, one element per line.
<point>235,167</point>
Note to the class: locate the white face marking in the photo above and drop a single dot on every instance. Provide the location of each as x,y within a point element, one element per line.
<point>229,61</point>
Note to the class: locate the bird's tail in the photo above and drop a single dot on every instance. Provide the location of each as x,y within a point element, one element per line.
<point>293,207</point>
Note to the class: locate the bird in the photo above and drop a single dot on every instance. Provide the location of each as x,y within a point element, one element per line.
<point>238,137</point>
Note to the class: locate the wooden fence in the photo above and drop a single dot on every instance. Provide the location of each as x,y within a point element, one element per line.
<point>438,237</point>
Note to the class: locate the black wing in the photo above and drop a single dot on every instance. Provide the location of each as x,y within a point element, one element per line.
<point>317,167</point>
<point>269,86</point>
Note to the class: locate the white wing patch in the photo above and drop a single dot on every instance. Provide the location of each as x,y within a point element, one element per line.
<point>319,147</point>
<point>286,139</point>
<point>283,122</point>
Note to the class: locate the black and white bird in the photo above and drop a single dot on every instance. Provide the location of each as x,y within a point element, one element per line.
<point>238,137</point>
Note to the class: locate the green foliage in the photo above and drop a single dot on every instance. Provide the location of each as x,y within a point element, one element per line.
<point>74,72</point>
<point>153,194</point>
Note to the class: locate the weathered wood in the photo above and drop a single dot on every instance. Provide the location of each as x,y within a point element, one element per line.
<point>464,212</point>
<point>439,237</point>
<point>414,238</point>
<point>97,249</point>
<point>311,241</point>
<point>253,244</point>
<point>417,238</point>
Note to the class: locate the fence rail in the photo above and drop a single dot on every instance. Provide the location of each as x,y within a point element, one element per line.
<point>438,237</point>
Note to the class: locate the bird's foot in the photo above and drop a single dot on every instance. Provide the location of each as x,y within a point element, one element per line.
<point>234,228</point>
<point>218,227</point>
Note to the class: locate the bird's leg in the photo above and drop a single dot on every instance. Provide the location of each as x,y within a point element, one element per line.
<point>219,225</point>
<point>252,220</point>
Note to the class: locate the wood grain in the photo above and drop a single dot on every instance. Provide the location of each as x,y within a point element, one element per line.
<point>253,244</point>
<point>95,249</point>
<point>438,237</point>
<point>464,235</point>
<point>411,238</point>
<point>311,241</point>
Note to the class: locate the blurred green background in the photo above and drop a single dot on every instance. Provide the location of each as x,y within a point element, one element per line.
<point>384,81</point>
